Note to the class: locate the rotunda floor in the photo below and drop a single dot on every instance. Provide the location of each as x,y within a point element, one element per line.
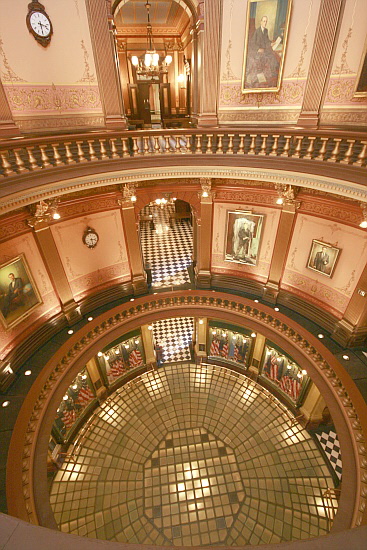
<point>193,455</point>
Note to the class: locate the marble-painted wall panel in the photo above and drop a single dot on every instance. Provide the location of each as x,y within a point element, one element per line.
<point>87,268</point>
<point>258,272</point>
<point>50,305</point>
<point>334,293</point>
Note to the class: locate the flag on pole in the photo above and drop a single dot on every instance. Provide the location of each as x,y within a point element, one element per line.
<point>135,358</point>
<point>68,418</point>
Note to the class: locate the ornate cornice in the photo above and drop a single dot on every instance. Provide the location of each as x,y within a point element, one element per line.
<point>336,385</point>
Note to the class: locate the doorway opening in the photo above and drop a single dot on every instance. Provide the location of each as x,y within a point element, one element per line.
<point>167,243</point>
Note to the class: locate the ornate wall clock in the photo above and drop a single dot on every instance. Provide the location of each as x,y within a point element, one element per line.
<point>90,238</point>
<point>38,23</point>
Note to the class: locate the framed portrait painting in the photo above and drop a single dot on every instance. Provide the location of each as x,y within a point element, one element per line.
<point>361,80</point>
<point>18,292</point>
<point>323,258</point>
<point>265,45</point>
<point>243,237</point>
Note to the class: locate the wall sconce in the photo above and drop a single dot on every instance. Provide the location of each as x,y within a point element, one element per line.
<point>363,223</point>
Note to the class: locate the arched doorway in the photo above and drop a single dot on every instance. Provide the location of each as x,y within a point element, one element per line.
<point>166,238</point>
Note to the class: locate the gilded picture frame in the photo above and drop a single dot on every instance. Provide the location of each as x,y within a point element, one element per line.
<point>243,237</point>
<point>19,295</point>
<point>361,80</point>
<point>266,36</point>
<point>323,258</point>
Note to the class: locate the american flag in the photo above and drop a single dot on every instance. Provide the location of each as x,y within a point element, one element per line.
<point>274,368</point>
<point>285,384</point>
<point>214,348</point>
<point>224,351</point>
<point>295,389</point>
<point>117,368</point>
<point>235,353</point>
<point>68,418</point>
<point>135,358</point>
<point>85,395</point>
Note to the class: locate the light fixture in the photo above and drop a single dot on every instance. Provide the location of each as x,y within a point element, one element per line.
<point>346,357</point>
<point>66,397</point>
<point>99,354</point>
<point>253,334</point>
<point>70,331</point>
<point>304,371</point>
<point>363,223</point>
<point>5,404</point>
<point>276,309</point>
<point>27,373</point>
<point>180,78</point>
<point>90,318</point>
<point>256,301</point>
<point>320,336</point>
<point>150,327</point>
<point>201,322</point>
<point>150,65</point>
<point>166,200</point>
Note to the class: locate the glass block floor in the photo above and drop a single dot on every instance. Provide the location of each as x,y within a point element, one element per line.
<point>193,455</point>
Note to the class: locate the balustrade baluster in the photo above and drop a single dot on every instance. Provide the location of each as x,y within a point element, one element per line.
<point>274,149</point>
<point>263,145</point>
<point>287,146</point>
<point>44,157</point>
<point>349,152</point>
<point>57,155</point>
<point>178,144</point>
<point>125,148</point>
<point>188,144</point>
<point>6,164</point>
<point>209,145</point>
<point>68,154</point>
<point>135,147</point>
<point>104,155</point>
<point>335,152</point>
<point>146,145</point>
<point>31,158</point>
<point>113,148</point>
<point>19,161</point>
<point>362,155</point>
<point>92,153</point>
<point>198,144</point>
<point>310,148</point>
<point>251,151</point>
<point>219,150</point>
<point>230,144</point>
<point>321,155</point>
<point>167,148</point>
<point>297,150</point>
<point>81,157</point>
<point>241,145</point>
<point>157,147</point>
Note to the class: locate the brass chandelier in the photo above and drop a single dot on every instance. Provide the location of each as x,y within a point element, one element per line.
<point>150,64</point>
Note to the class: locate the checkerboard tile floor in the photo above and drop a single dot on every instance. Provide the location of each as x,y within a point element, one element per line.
<point>193,455</point>
<point>174,336</point>
<point>330,443</point>
<point>167,248</point>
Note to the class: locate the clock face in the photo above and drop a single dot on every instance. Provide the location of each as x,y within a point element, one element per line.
<point>91,239</point>
<point>40,24</point>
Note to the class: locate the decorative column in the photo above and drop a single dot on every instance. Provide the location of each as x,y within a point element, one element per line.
<point>209,55</point>
<point>195,72</point>
<point>47,246</point>
<point>204,230</point>
<point>105,54</point>
<point>351,330</point>
<point>282,241</point>
<point>201,329</point>
<point>257,354</point>
<point>8,128</point>
<point>148,345</point>
<point>96,379</point>
<point>129,223</point>
<point>325,42</point>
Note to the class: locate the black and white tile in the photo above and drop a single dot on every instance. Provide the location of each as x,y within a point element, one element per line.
<point>166,247</point>
<point>174,336</point>
<point>330,443</point>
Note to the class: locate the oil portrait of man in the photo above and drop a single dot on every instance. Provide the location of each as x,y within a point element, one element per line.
<point>266,34</point>
<point>323,257</point>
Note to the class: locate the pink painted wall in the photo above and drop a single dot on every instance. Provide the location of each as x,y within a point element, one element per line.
<point>87,268</point>
<point>57,81</point>
<point>289,99</point>
<point>333,294</point>
<point>50,305</point>
<point>259,272</point>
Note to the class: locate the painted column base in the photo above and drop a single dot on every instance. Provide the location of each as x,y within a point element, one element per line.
<point>207,120</point>
<point>203,279</point>
<point>139,285</point>
<point>348,335</point>
<point>309,120</point>
<point>72,312</point>
<point>270,293</point>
